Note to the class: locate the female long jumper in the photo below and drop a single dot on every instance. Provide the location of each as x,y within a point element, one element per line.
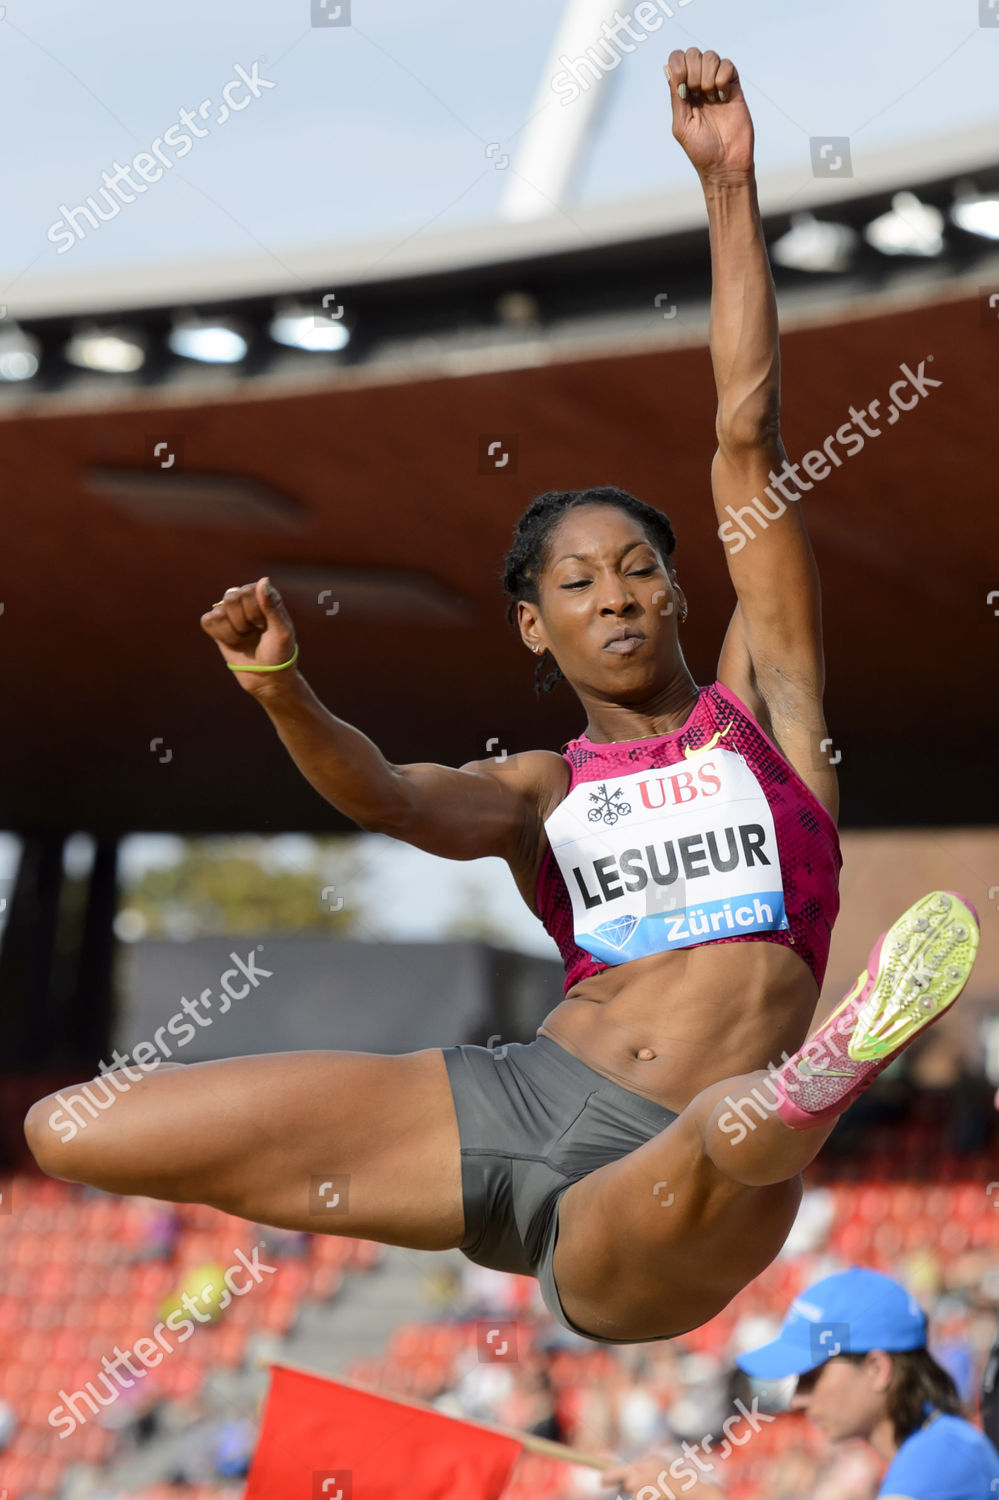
<point>642,1155</point>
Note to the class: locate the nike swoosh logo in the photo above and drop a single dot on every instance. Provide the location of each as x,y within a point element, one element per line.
<point>709,745</point>
<point>806,1070</point>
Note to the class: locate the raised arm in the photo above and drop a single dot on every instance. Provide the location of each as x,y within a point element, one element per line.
<point>482,808</point>
<point>773,651</point>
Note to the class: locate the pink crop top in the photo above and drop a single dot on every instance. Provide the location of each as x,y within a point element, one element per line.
<point>703,835</point>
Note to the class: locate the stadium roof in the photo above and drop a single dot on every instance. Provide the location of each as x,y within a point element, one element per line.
<point>574,228</point>
<point>373,487</point>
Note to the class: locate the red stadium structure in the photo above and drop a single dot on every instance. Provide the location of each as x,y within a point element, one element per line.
<point>378,489</point>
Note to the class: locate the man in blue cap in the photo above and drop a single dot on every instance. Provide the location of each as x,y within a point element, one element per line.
<point>857,1343</point>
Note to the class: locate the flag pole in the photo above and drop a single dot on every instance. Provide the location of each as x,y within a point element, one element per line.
<point>527,1440</point>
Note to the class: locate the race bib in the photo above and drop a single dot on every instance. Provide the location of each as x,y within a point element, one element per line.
<point>666,858</point>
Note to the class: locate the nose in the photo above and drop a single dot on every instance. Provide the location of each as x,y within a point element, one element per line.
<point>617,598</point>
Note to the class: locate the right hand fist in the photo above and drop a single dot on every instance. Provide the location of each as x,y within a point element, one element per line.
<point>251,627</point>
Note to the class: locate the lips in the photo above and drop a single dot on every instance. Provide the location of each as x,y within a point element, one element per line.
<point>624,641</point>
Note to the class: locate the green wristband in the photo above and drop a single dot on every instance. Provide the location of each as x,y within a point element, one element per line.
<point>279,668</point>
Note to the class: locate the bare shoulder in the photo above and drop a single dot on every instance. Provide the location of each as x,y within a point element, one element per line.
<point>541,777</point>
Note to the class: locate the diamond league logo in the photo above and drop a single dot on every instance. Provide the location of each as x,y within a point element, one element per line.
<point>617,932</point>
<point>607,809</point>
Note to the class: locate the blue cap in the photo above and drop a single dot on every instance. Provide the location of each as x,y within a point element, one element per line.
<point>848,1313</point>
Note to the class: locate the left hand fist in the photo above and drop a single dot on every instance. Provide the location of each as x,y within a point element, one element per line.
<point>710,118</point>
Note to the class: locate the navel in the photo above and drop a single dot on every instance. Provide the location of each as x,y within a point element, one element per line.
<point>646,1054</point>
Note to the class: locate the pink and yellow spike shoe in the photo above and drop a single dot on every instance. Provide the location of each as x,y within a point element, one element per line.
<point>915,972</point>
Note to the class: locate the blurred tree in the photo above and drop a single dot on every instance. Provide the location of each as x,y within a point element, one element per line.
<point>475,918</point>
<point>248,884</point>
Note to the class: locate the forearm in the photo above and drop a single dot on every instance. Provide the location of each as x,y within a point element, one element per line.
<point>743,331</point>
<point>341,763</point>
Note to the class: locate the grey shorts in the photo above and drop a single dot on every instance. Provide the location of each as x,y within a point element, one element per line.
<point>532,1120</point>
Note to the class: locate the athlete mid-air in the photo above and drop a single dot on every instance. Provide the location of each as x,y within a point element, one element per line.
<point>642,1155</point>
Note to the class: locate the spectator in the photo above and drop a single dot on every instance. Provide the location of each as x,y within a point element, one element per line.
<point>990,1393</point>
<point>289,1244</point>
<point>857,1343</point>
<point>159,1230</point>
<point>659,1474</point>
<point>8,1424</point>
<point>232,1447</point>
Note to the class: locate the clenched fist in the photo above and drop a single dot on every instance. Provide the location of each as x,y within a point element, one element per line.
<point>251,627</point>
<point>710,117</point>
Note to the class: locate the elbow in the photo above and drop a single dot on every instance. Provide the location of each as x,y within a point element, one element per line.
<point>389,818</point>
<point>748,429</point>
<point>388,823</point>
<point>749,417</point>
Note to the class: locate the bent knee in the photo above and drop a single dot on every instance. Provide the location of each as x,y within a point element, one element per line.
<point>51,1133</point>
<point>63,1129</point>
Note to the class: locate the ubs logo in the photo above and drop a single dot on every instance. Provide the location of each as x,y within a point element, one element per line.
<point>608,809</point>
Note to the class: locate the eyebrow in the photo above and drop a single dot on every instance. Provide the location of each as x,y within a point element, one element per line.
<point>586,556</point>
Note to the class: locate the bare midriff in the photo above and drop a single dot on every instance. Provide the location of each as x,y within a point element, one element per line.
<point>673,1023</point>
<point>668,1025</point>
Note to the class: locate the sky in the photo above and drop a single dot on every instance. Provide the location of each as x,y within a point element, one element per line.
<point>384,126</point>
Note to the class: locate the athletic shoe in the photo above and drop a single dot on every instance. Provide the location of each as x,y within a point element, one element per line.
<point>915,972</point>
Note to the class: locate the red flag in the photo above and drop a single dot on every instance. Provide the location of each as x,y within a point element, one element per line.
<point>321,1440</point>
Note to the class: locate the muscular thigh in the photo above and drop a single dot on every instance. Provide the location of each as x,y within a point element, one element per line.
<point>260,1136</point>
<point>659,1241</point>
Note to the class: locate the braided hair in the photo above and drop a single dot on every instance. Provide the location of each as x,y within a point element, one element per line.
<point>526,560</point>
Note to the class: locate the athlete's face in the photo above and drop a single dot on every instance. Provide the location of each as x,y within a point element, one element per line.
<point>843,1398</point>
<point>602,579</point>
